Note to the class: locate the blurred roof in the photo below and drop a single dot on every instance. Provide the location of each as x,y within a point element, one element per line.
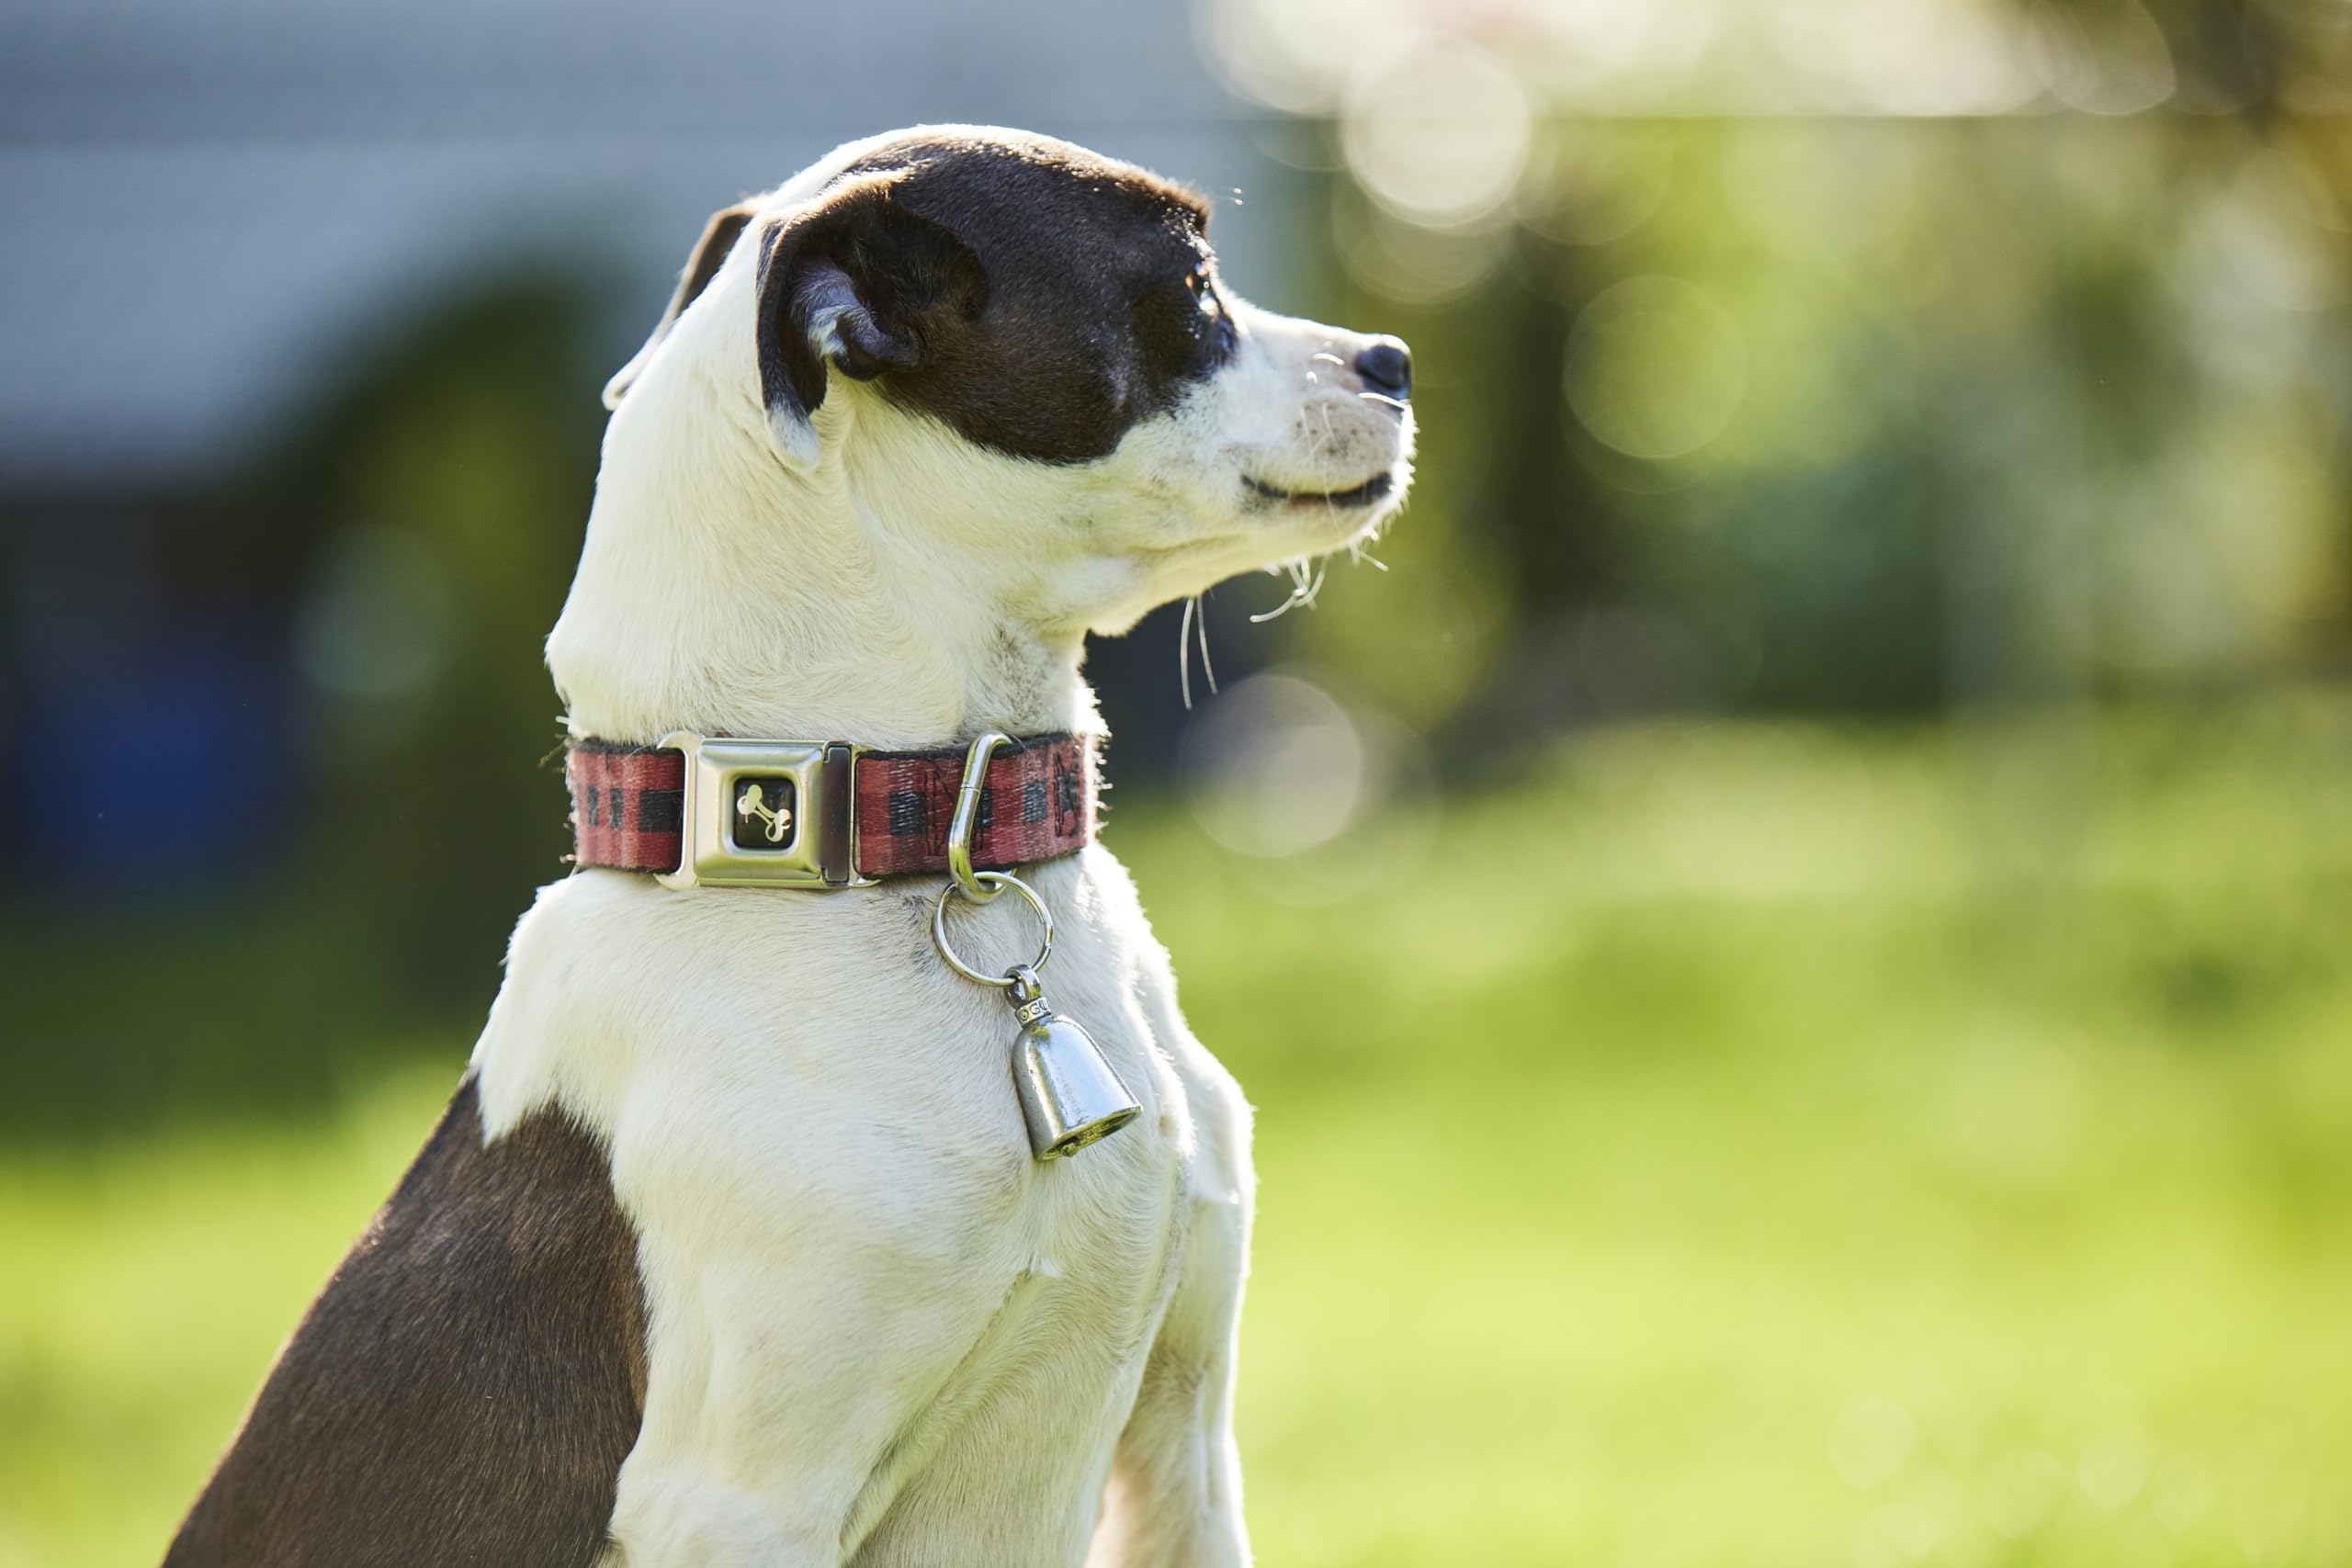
<point>204,209</point>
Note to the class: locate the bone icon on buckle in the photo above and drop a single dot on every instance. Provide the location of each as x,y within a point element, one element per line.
<point>751,806</point>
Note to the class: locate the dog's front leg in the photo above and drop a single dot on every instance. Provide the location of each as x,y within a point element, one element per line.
<point>1174,1499</point>
<point>797,1332</point>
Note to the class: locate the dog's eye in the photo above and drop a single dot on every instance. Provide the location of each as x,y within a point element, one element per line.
<point>1183,322</point>
<point>1217,335</point>
<point>1203,293</point>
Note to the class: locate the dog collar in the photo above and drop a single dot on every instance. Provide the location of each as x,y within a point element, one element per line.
<point>736,813</point>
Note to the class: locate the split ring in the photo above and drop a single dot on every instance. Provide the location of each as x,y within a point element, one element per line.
<point>997,882</point>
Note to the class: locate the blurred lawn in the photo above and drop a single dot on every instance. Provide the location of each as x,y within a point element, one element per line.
<point>1729,1145</point>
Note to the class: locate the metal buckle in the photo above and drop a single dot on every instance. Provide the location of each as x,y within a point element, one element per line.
<point>766,814</point>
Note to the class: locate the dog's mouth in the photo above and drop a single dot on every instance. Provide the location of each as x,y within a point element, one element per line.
<point>1364,494</point>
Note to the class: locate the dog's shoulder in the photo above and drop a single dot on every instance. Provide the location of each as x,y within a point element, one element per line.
<point>467,1386</point>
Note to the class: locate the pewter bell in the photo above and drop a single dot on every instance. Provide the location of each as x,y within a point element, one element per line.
<point>1070,1095</point>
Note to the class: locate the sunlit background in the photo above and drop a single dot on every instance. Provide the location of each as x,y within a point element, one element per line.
<point>1788,927</point>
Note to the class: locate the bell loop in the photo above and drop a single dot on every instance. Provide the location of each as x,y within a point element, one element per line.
<point>997,880</point>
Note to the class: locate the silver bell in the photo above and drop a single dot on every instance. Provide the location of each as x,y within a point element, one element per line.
<point>1070,1095</point>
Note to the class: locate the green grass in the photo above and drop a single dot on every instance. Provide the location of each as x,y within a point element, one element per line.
<point>1746,1145</point>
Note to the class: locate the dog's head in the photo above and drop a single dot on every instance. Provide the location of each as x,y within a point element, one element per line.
<point>1030,347</point>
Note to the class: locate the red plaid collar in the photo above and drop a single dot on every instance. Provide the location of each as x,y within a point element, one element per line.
<point>846,816</point>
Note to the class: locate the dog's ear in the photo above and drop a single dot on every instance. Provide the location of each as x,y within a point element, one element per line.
<point>710,254</point>
<point>860,284</point>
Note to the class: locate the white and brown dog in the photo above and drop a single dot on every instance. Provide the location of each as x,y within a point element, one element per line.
<point>731,1249</point>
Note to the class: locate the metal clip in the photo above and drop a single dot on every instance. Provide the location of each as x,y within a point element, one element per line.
<point>966,820</point>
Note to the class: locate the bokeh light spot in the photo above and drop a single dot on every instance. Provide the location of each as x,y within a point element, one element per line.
<point>2022,1489</point>
<point>2129,67</point>
<point>1656,368</point>
<point>2115,1466</point>
<point>1277,766</point>
<point>1597,182</point>
<point>1870,1441</point>
<point>1321,801</point>
<point>1895,1535</point>
<point>2184,1493</point>
<point>1411,261</point>
<point>1438,134</point>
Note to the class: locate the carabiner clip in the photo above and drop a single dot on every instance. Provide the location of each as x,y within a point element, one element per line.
<point>966,820</point>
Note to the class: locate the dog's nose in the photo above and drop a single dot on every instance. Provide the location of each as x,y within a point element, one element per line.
<point>1386,367</point>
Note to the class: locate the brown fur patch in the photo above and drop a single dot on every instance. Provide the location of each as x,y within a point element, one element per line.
<point>466,1386</point>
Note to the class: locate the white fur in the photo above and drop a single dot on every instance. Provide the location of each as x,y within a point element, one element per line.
<point>879,1332</point>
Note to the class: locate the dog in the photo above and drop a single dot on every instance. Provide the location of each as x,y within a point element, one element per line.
<point>732,1247</point>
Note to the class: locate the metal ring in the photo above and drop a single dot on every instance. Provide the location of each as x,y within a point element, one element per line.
<point>966,820</point>
<point>1001,880</point>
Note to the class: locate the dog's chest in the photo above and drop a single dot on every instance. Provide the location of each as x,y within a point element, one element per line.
<point>855,1271</point>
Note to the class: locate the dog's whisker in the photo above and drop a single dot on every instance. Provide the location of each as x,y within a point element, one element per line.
<point>1330,357</point>
<point>1284,608</point>
<point>1184,650</point>
<point>1197,612</point>
<point>1330,442</point>
<point>1277,612</point>
<point>1397,403</point>
<point>1306,581</point>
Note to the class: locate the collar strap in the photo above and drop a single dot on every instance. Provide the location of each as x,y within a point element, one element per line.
<point>819,814</point>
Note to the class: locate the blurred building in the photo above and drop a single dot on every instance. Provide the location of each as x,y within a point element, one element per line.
<point>306,311</point>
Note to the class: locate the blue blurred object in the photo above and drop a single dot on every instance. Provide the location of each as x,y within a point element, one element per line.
<point>162,768</point>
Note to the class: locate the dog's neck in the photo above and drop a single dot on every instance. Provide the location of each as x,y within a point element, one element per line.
<point>722,592</point>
